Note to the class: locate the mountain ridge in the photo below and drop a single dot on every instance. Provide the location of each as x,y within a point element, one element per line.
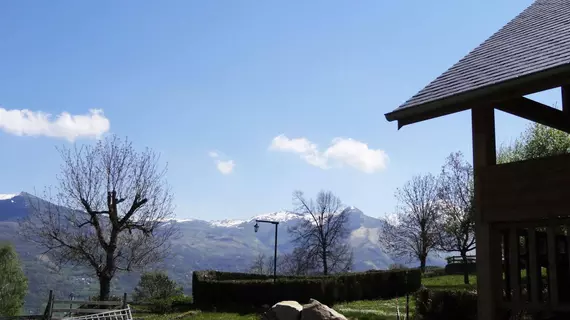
<point>229,245</point>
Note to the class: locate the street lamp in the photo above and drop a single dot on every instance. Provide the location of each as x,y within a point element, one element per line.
<point>276,223</point>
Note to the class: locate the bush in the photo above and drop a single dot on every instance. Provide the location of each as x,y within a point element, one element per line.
<point>159,306</point>
<point>260,290</point>
<point>156,286</point>
<point>96,306</point>
<point>13,281</point>
<point>181,303</point>
<point>445,305</point>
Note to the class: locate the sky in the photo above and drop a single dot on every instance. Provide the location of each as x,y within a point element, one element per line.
<point>246,101</point>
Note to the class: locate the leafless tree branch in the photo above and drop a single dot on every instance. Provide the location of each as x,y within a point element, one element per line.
<point>412,234</point>
<point>324,232</point>
<point>109,211</point>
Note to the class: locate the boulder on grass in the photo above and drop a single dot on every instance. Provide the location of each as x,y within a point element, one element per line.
<point>315,310</point>
<point>284,310</point>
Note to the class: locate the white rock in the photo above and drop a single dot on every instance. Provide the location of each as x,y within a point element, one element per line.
<point>284,310</point>
<point>315,310</point>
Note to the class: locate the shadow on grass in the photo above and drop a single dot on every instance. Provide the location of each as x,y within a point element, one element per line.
<point>237,308</point>
<point>366,316</point>
<point>461,287</point>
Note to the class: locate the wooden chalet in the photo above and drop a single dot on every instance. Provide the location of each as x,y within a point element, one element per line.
<point>522,208</point>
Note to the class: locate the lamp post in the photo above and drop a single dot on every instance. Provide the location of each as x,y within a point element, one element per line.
<point>276,223</point>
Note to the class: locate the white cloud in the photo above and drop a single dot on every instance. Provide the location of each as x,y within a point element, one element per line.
<point>341,152</point>
<point>37,123</point>
<point>225,167</point>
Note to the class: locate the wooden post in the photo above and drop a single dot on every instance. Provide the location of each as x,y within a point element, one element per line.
<point>515,272</point>
<point>47,311</point>
<point>566,99</point>
<point>552,278</point>
<point>124,300</point>
<point>484,155</point>
<point>533,270</point>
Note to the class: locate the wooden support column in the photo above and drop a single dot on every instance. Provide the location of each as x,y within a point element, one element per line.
<point>484,155</point>
<point>533,271</point>
<point>565,99</point>
<point>515,272</point>
<point>552,277</point>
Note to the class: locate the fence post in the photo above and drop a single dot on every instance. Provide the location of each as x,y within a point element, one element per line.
<point>47,311</point>
<point>407,297</point>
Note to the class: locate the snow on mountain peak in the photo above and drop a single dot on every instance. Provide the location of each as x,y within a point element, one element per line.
<point>281,216</point>
<point>227,223</point>
<point>7,196</point>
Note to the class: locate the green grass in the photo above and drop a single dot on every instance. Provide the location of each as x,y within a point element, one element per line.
<point>356,310</point>
<point>450,282</point>
<point>375,309</point>
<point>198,316</point>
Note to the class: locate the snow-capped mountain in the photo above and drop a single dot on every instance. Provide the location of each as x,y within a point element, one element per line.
<point>230,245</point>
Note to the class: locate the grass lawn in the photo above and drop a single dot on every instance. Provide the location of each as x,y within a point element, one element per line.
<point>198,316</point>
<point>356,310</point>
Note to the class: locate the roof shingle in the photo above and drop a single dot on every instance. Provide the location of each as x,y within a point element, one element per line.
<point>536,40</point>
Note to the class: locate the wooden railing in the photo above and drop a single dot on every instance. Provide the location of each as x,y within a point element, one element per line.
<point>459,259</point>
<point>56,309</point>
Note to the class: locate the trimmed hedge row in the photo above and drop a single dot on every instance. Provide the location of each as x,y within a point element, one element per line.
<point>214,289</point>
<point>458,268</point>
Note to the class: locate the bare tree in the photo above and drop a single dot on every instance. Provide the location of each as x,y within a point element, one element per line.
<point>456,194</point>
<point>324,233</point>
<point>259,265</point>
<point>412,233</point>
<point>109,211</point>
<point>297,263</point>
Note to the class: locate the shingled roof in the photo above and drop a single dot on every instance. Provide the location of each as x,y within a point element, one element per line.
<point>516,60</point>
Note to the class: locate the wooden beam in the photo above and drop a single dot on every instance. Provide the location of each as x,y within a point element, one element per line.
<point>83,311</point>
<point>484,155</point>
<point>89,302</point>
<point>537,112</point>
<point>566,99</point>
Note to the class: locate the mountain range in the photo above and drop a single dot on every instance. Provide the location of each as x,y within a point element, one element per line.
<point>228,245</point>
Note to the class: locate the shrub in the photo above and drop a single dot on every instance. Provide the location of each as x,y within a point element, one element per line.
<point>442,305</point>
<point>97,298</point>
<point>181,303</point>
<point>156,286</point>
<point>255,292</point>
<point>13,281</point>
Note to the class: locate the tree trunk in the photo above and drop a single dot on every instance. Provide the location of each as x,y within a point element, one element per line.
<point>107,275</point>
<point>423,263</point>
<point>104,287</point>
<point>325,265</point>
<point>465,268</point>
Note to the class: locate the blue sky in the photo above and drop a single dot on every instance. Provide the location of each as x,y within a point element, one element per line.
<point>197,79</point>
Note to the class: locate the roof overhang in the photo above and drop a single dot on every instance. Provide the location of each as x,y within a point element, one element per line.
<point>484,96</point>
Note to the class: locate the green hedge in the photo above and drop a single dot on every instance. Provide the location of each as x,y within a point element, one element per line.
<point>216,289</point>
<point>458,268</point>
